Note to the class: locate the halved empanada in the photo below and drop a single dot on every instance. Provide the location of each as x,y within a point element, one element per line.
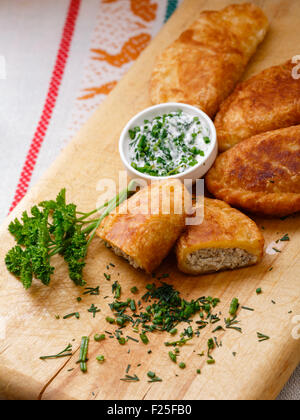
<point>226,239</point>
<point>146,226</point>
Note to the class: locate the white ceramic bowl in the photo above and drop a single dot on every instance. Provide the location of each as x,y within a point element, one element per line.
<point>194,173</point>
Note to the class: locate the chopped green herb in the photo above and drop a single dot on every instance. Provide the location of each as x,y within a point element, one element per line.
<point>129,378</point>
<point>93,309</point>
<point>116,289</point>
<point>188,332</point>
<point>180,342</point>
<point>133,339</point>
<point>66,352</point>
<point>83,353</point>
<point>144,338</point>
<point>76,314</point>
<point>173,356</point>
<point>99,337</point>
<point>219,328</point>
<point>210,345</point>
<point>155,379</point>
<point>132,305</point>
<point>216,342</point>
<point>182,365</point>
<point>110,320</point>
<point>94,291</point>
<point>262,337</point>
<point>151,374</point>
<point>230,324</point>
<point>234,306</point>
<point>100,358</point>
<point>276,250</point>
<point>122,340</point>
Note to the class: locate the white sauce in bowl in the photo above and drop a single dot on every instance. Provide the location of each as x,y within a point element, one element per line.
<point>169,144</point>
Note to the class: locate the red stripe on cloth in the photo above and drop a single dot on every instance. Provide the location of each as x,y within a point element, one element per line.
<point>56,78</point>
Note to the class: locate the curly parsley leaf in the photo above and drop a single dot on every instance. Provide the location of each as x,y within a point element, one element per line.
<point>54,227</point>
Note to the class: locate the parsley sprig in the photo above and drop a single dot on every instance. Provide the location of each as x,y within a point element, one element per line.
<point>55,227</point>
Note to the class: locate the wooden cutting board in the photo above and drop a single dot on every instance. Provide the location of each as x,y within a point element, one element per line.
<point>29,329</point>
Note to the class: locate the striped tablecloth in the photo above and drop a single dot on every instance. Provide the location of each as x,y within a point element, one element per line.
<point>58,61</point>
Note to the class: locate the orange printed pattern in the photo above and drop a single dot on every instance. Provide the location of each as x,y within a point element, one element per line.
<point>145,9</point>
<point>123,29</point>
<point>102,90</point>
<point>130,51</point>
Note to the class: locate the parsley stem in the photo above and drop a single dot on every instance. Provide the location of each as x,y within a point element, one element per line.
<point>95,223</point>
<point>122,196</point>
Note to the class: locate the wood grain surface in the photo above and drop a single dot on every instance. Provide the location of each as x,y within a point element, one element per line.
<point>29,328</point>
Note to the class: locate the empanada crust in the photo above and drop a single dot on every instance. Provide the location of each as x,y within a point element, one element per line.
<point>267,101</point>
<point>204,64</point>
<point>223,227</point>
<point>144,236</point>
<point>260,174</point>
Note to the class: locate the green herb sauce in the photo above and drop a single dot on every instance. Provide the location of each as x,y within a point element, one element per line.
<point>168,144</point>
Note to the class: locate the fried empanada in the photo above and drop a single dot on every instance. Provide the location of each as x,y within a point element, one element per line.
<point>146,226</point>
<point>226,239</point>
<point>267,101</point>
<point>261,174</point>
<point>204,64</point>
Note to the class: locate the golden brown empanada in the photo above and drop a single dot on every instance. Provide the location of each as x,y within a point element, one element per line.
<point>267,101</point>
<point>204,64</point>
<point>226,239</point>
<point>261,174</point>
<point>145,227</point>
